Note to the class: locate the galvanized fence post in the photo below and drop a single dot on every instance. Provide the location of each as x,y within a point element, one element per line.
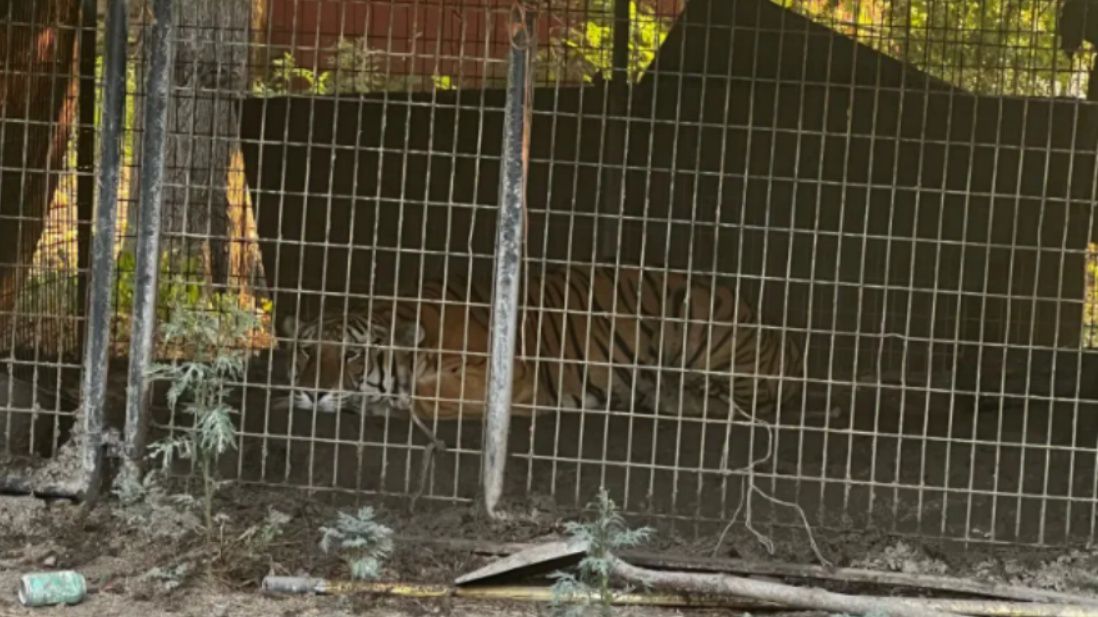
<point>157,94</point>
<point>97,344</point>
<point>85,153</point>
<point>508,253</point>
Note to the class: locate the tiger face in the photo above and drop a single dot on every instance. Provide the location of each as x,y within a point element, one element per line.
<point>350,365</point>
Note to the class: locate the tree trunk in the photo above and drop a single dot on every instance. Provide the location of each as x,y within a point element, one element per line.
<point>210,64</point>
<point>37,113</point>
<point>209,77</point>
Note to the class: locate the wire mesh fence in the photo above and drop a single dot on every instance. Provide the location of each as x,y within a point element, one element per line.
<point>785,263</point>
<point>45,185</point>
<point>893,187</point>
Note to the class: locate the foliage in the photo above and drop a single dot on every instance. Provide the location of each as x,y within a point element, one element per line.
<point>353,67</point>
<point>273,526</point>
<point>578,53</point>
<point>1070,572</point>
<point>902,557</point>
<point>584,51</point>
<point>181,285</point>
<point>444,82</point>
<point>364,542</point>
<point>207,335</point>
<point>604,535</point>
<point>358,68</point>
<point>285,76</point>
<point>992,47</point>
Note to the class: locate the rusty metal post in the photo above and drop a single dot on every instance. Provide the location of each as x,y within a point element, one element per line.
<point>508,254</point>
<point>97,344</point>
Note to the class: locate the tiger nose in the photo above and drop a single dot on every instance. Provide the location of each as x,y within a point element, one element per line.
<point>308,400</point>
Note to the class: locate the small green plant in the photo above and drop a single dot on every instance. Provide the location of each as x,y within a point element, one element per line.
<point>207,335</point>
<point>585,50</point>
<point>607,533</point>
<point>179,283</point>
<point>285,76</point>
<point>363,542</point>
<point>444,82</point>
<point>260,536</point>
<point>353,67</point>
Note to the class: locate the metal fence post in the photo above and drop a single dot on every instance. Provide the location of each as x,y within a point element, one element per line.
<point>85,157</point>
<point>97,344</point>
<point>157,95</point>
<point>508,253</point>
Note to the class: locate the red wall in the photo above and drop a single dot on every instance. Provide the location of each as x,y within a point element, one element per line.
<point>466,38</point>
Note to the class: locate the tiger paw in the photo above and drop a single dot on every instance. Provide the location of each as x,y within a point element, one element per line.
<point>403,402</point>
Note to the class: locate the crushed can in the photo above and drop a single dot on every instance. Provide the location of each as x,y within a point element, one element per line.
<point>50,588</point>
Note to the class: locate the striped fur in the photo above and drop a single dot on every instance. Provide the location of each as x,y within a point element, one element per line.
<point>576,349</point>
<point>374,363</point>
<point>643,327</point>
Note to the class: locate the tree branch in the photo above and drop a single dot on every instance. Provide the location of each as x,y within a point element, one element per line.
<point>788,595</point>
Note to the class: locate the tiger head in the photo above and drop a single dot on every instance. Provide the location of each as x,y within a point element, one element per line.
<point>349,364</point>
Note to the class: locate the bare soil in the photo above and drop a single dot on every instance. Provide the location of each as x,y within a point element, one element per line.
<point>918,483</point>
<point>139,566</point>
<point>143,561</point>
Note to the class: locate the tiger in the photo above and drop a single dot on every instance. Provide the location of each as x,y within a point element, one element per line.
<point>588,337</point>
<point>430,362</point>
<point>623,330</point>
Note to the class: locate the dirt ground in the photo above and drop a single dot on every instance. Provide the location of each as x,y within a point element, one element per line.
<point>144,560</point>
<point>149,558</point>
<point>917,482</point>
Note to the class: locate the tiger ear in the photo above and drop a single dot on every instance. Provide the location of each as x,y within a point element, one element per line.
<point>410,335</point>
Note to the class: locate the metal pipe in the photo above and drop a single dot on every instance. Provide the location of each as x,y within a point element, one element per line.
<point>508,255</point>
<point>157,95</point>
<point>96,347</point>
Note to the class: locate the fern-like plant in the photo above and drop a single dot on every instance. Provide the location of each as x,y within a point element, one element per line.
<point>206,336</point>
<point>572,595</point>
<point>361,540</point>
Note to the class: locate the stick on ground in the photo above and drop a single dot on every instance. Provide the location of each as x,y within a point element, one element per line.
<point>788,595</point>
